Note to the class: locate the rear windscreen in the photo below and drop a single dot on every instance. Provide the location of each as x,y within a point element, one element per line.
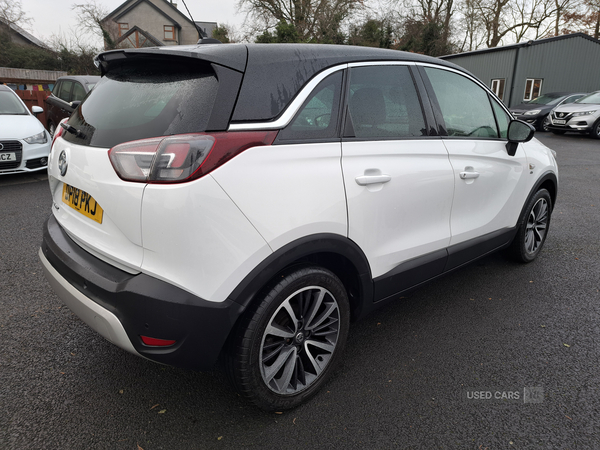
<point>145,99</point>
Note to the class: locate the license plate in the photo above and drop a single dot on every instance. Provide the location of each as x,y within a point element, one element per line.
<point>8,157</point>
<point>559,122</point>
<point>82,202</point>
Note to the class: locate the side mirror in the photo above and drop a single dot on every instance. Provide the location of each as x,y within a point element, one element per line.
<point>37,110</point>
<point>518,131</point>
<point>75,104</point>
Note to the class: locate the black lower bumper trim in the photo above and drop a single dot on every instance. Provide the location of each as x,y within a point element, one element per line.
<point>145,305</point>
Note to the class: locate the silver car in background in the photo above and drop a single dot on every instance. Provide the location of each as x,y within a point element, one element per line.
<point>582,116</point>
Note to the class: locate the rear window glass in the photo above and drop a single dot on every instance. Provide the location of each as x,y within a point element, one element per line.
<point>146,99</point>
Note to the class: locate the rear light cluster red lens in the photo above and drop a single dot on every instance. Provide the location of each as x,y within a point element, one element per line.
<point>58,131</point>
<point>176,159</point>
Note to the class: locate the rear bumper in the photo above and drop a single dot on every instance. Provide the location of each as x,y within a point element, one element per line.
<point>122,307</point>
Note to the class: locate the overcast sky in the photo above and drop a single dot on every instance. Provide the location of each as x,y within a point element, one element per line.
<point>56,16</point>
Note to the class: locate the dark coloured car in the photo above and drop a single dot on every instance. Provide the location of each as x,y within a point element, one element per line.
<point>536,111</point>
<point>68,92</point>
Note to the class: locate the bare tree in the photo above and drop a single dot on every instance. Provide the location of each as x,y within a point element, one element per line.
<point>308,17</point>
<point>91,17</point>
<point>511,17</point>
<point>585,19</point>
<point>11,13</point>
<point>530,18</point>
<point>470,26</point>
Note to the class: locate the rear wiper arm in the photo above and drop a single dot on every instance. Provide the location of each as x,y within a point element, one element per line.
<point>71,129</point>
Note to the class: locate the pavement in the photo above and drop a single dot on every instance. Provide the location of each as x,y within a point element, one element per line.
<point>422,373</point>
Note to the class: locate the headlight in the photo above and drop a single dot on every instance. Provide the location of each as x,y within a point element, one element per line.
<point>586,113</point>
<point>40,138</point>
<point>533,112</point>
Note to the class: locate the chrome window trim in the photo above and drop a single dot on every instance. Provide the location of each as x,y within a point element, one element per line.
<point>305,92</point>
<point>381,63</point>
<point>292,108</point>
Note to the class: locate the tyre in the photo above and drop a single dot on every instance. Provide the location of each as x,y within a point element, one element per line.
<point>289,343</point>
<point>545,123</point>
<point>595,131</point>
<point>51,129</point>
<point>533,227</point>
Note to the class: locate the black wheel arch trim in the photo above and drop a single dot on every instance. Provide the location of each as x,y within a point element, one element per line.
<point>548,176</point>
<point>303,251</point>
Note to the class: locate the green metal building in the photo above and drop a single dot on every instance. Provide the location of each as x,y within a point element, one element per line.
<point>522,72</point>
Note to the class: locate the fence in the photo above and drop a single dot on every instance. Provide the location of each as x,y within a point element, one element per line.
<point>35,98</point>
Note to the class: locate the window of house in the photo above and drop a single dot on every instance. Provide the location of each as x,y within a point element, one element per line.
<point>123,28</point>
<point>533,88</point>
<point>498,87</point>
<point>169,33</point>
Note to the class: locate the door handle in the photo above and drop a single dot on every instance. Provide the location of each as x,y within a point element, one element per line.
<point>365,180</point>
<point>469,175</point>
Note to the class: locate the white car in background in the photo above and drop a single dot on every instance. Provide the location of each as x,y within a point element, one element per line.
<point>582,116</point>
<point>24,143</point>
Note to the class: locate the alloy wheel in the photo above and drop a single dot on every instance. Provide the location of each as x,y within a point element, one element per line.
<point>546,123</point>
<point>537,224</point>
<point>299,340</point>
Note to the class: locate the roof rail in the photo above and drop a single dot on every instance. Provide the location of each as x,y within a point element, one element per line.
<point>209,41</point>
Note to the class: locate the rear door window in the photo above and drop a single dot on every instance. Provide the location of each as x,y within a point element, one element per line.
<point>383,103</point>
<point>318,117</point>
<point>78,93</point>
<point>65,90</point>
<point>146,99</point>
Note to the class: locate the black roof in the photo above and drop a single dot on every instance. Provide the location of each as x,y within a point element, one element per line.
<point>273,73</point>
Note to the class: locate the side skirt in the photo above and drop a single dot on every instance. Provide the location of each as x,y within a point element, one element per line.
<point>411,274</point>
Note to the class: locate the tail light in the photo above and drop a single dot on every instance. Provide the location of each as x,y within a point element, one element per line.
<point>155,342</point>
<point>58,131</point>
<point>176,159</point>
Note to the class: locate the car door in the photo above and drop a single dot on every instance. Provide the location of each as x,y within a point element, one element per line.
<point>490,186</point>
<point>399,181</point>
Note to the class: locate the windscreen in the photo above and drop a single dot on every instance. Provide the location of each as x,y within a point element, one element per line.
<point>10,104</point>
<point>546,100</point>
<point>143,99</point>
<point>591,99</point>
